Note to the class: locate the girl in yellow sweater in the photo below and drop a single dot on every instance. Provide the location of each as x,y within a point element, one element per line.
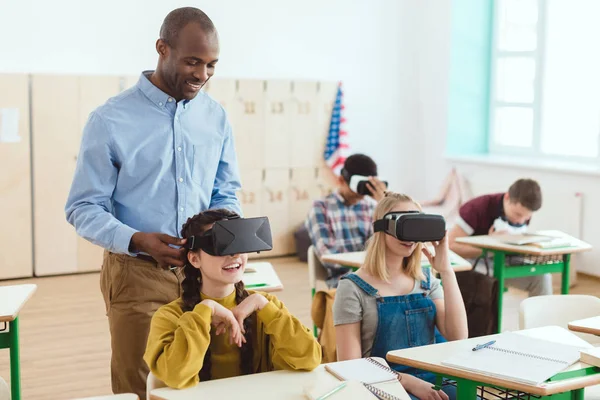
<point>218,329</point>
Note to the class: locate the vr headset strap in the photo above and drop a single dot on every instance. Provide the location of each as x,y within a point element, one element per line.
<point>380,225</point>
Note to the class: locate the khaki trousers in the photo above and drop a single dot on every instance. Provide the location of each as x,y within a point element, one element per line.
<point>133,290</point>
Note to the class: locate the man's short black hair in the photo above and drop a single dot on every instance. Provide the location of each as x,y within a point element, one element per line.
<point>177,19</point>
<point>527,192</point>
<point>360,164</point>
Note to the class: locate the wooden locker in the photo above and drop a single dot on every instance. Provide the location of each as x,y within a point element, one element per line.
<point>55,139</point>
<point>223,91</point>
<point>278,124</point>
<point>275,205</point>
<point>304,130</point>
<point>326,99</point>
<point>326,181</point>
<point>249,123</point>
<point>251,194</point>
<point>93,92</point>
<point>15,179</point>
<point>303,192</point>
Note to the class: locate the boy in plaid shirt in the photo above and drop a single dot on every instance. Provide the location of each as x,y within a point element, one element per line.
<point>343,221</point>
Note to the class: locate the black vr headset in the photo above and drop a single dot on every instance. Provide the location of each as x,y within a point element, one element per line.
<point>234,236</point>
<point>357,183</point>
<point>412,226</point>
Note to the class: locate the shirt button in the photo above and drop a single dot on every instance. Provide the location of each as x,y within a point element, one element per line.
<point>179,148</point>
<point>180,179</point>
<point>160,104</point>
<point>170,99</point>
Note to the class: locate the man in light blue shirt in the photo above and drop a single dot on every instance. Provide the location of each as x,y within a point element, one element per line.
<point>150,158</point>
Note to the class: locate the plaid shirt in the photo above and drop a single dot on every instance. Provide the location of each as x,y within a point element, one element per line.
<point>335,228</point>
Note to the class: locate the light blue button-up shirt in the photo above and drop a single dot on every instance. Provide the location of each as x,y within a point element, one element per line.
<point>147,163</point>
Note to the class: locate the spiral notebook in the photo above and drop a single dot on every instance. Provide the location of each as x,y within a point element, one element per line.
<point>518,358</point>
<point>353,390</point>
<point>366,370</point>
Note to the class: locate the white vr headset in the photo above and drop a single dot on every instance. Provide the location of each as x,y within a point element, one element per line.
<point>358,184</point>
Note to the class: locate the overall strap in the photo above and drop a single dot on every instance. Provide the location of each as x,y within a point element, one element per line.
<point>361,283</point>
<point>426,283</point>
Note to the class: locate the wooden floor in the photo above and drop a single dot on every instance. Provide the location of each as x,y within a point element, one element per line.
<point>65,346</point>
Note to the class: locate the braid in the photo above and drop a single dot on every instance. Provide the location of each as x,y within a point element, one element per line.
<point>247,352</point>
<point>192,284</point>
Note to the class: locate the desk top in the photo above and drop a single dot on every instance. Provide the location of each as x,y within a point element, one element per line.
<point>588,325</point>
<point>430,358</point>
<point>264,279</point>
<point>356,259</point>
<point>491,243</point>
<point>124,396</point>
<point>13,299</point>
<point>274,385</point>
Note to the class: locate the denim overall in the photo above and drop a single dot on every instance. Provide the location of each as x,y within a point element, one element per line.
<point>405,321</point>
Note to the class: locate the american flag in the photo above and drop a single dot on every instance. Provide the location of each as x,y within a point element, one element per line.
<point>336,148</point>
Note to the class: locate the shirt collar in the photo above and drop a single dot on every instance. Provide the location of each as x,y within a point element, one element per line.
<point>157,96</point>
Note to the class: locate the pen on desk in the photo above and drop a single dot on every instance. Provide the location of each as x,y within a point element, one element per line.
<point>256,285</point>
<point>483,346</point>
<point>335,390</point>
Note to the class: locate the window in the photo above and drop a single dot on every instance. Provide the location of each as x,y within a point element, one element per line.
<point>545,78</point>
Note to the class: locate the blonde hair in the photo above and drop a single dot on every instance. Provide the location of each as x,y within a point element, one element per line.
<point>375,263</point>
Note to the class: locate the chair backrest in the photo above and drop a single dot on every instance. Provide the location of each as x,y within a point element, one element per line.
<point>152,382</point>
<point>315,268</point>
<point>559,310</point>
<point>4,392</point>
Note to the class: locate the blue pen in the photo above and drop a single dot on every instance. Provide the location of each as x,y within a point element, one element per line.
<point>483,346</point>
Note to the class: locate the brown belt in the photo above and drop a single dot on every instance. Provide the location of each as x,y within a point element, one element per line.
<point>152,260</point>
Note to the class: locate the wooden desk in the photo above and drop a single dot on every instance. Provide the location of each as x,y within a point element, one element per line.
<point>277,385</point>
<point>430,358</point>
<point>124,396</point>
<point>13,299</point>
<point>356,259</point>
<point>503,271</point>
<point>588,325</point>
<point>265,278</point>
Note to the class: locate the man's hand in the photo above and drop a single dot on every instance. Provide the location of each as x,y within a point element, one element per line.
<point>494,232</point>
<point>377,188</point>
<point>157,245</point>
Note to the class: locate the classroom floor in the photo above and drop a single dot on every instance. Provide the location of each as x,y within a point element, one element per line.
<point>65,345</point>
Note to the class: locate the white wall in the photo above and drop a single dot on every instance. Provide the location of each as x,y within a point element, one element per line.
<point>363,43</point>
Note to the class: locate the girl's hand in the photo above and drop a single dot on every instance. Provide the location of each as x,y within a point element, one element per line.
<point>252,303</point>
<point>441,261</point>
<point>223,319</point>
<point>421,389</point>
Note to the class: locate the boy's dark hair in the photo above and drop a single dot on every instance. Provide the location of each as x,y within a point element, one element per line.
<point>527,192</point>
<point>360,164</point>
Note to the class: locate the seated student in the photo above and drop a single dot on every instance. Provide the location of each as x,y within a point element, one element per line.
<point>502,213</point>
<point>218,329</point>
<point>392,303</point>
<point>342,222</point>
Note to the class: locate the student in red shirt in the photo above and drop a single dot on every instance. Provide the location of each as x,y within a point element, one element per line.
<point>502,213</point>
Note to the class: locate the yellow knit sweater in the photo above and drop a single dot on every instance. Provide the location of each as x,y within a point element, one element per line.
<point>178,342</point>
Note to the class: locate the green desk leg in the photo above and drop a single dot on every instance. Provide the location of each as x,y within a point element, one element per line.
<point>499,260</point>
<point>466,389</point>
<point>315,333</point>
<point>566,273</point>
<point>15,363</point>
<point>577,394</point>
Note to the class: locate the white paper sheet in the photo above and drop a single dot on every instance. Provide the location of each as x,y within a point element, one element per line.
<point>9,125</point>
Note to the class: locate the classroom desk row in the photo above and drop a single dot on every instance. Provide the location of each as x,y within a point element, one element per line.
<point>290,385</point>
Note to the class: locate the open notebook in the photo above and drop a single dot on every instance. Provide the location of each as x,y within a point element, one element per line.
<point>366,370</point>
<point>518,358</point>
<point>542,241</point>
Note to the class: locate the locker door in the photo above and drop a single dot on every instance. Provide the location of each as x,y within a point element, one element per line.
<point>303,192</point>
<point>251,193</point>
<point>223,91</point>
<point>249,124</point>
<point>15,178</point>
<point>55,139</point>
<point>278,124</point>
<point>93,92</point>
<point>326,181</point>
<point>129,81</point>
<point>326,100</point>
<point>276,207</point>
<point>303,151</point>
